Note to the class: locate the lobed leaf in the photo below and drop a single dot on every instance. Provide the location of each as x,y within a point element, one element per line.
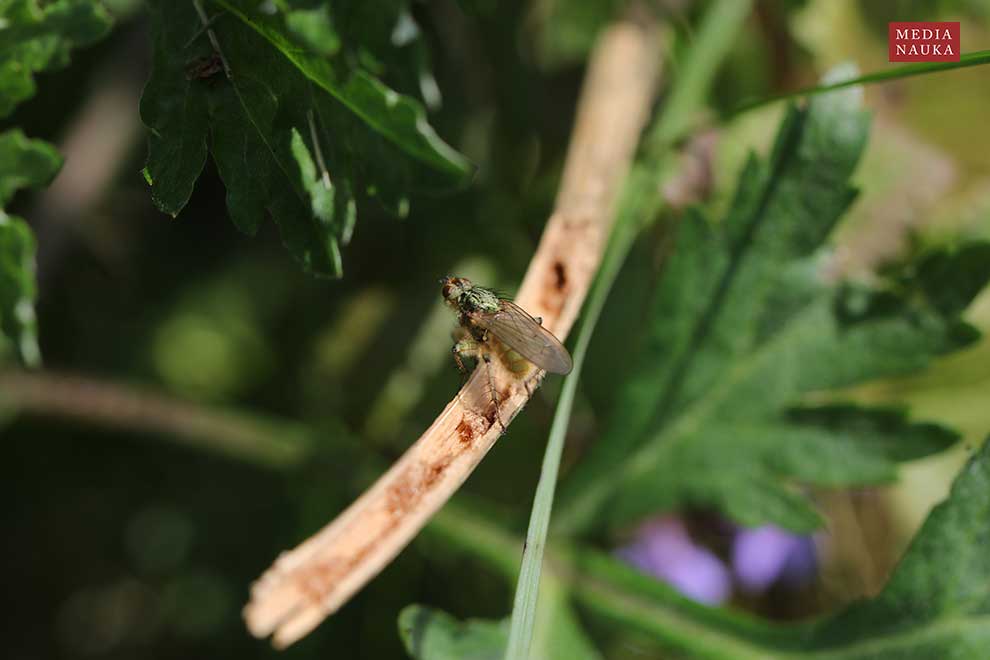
<point>744,328</point>
<point>290,129</point>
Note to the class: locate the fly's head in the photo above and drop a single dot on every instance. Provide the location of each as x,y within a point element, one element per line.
<point>454,291</point>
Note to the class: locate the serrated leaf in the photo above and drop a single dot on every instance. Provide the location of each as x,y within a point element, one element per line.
<point>934,605</point>
<point>280,97</point>
<point>744,329</point>
<point>37,36</point>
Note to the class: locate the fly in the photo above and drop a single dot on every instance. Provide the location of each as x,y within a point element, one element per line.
<point>490,325</point>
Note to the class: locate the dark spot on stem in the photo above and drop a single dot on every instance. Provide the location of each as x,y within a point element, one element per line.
<point>560,273</point>
<point>465,431</point>
<point>435,471</point>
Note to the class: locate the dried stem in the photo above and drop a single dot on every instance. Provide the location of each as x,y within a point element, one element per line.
<point>307,584</point>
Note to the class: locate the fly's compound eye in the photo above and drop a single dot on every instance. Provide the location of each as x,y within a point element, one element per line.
<point>445,291</point>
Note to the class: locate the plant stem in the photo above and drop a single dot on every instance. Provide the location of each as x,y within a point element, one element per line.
<point>268,443</point>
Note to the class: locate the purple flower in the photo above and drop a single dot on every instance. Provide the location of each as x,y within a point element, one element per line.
<point>764,555</point>
<point>663,549</point>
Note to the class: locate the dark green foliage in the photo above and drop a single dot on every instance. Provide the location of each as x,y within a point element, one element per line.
<point>34,37</point>
<point>286,113</point>
<point>23,163</point>
<point>38,36</point>
<point>17,289</point>
<point>744,327</point>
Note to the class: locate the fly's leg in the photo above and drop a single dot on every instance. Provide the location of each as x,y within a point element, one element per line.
<point>529,380</point>
<point>465,348</point>
<point>486,356</point>
<point>491,385</point>
<point>469,348</point>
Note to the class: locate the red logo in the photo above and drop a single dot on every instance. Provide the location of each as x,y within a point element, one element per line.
<point>923,41</point>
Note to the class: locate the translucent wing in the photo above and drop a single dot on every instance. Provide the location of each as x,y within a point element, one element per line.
<point>513,326</point>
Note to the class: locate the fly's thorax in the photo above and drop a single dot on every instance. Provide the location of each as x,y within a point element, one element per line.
<point>479,300</point>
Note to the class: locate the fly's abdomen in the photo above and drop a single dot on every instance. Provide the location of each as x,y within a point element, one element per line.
<point>512,360</point>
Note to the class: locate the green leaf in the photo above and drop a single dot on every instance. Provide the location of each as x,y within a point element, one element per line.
<point>314,27</point>
<point>430,634</point>
<point>17,289</point>
<point>286,118</point>
<point>23,163</point>
<point>380,37</point>
<point>744,329</point>
<point>33,37</point>
<point>935,604</point>
<point>37,36</point>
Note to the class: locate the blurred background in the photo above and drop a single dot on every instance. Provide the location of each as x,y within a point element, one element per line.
<point>205,404</point>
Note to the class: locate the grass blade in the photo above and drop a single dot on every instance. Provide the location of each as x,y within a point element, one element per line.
<point>895,73</point>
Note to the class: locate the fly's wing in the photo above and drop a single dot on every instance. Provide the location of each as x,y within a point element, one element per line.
<point>513,326</point>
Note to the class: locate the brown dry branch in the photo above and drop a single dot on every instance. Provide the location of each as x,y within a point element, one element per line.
<point>249,438</point>
<point>307,584</point>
